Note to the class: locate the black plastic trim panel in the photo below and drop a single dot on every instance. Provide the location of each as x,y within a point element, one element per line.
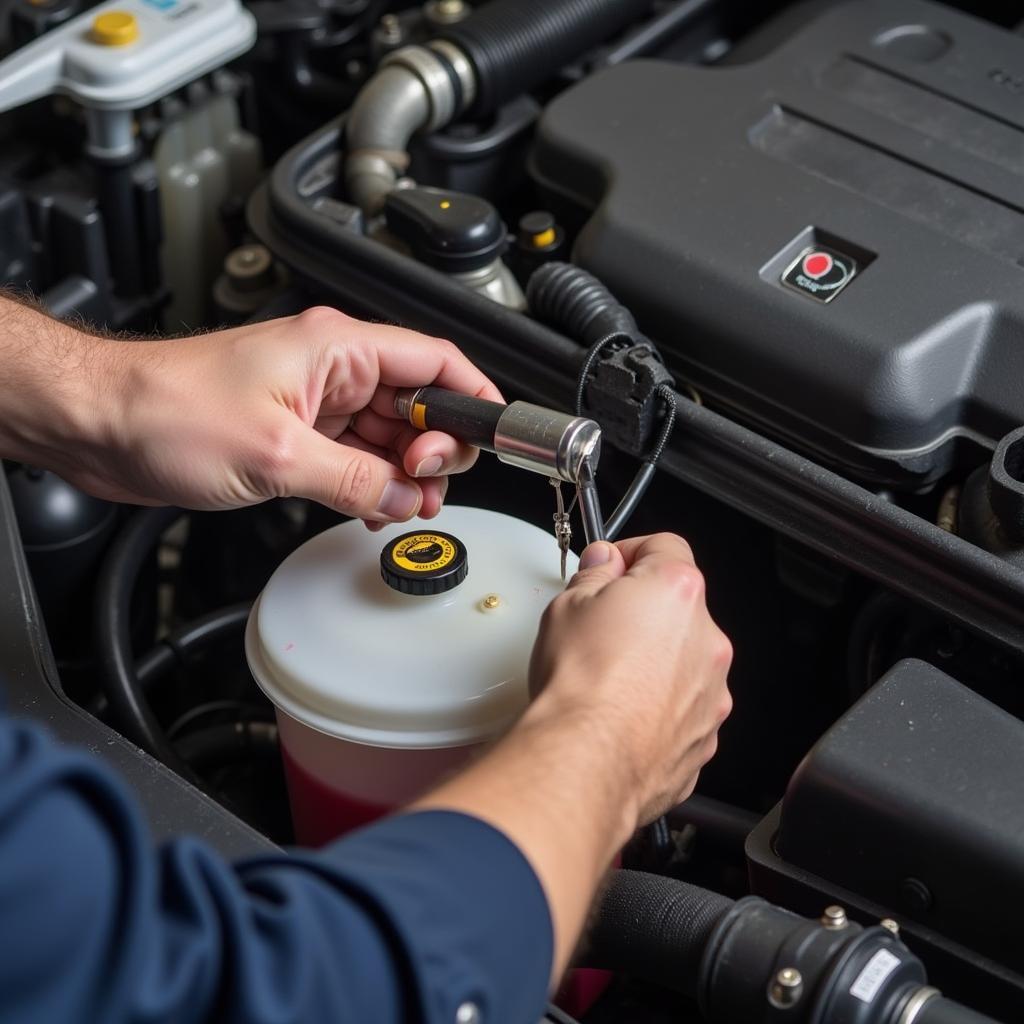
<point>30,687</point>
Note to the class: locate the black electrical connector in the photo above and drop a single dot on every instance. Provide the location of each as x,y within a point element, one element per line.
<point>625,382</point>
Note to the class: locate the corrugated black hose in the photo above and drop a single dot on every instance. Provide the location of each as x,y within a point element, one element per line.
<point>653,927</point>
<point>514,45</point>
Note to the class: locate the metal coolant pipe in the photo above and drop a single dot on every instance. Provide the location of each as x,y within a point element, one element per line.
<point>503,50</point>
<point>418,88</point>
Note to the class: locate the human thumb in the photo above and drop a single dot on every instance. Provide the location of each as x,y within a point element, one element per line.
<point>600,563</point>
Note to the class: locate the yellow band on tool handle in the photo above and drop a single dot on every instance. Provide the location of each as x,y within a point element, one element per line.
<point>471,420</point>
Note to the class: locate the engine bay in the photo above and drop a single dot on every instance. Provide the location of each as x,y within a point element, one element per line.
<point>772,250</point>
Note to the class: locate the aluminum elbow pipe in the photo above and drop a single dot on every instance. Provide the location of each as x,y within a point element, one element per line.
<point>418,88</point>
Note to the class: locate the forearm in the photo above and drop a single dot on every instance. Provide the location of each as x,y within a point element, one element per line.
<point>408,919</point>
<point>53,378</point>
<point>556,789</point>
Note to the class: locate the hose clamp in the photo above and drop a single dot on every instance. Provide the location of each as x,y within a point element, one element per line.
<point>916,1003</point>
<point>427,66</point>
<point>462,67</point>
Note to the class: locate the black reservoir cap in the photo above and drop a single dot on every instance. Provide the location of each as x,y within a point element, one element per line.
<point>450,231</point>
<point>424,563</point>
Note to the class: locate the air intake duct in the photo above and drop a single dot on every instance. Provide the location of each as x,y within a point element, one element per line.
<point>514,45</point>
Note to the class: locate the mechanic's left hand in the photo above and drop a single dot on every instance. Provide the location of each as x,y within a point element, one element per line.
<point>298,406</point>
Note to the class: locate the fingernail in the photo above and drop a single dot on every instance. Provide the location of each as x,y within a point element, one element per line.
<point>429,466</point>
<point>595,554</point>
<point>399,500</point>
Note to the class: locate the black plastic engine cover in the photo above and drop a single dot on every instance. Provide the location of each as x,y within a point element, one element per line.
<point>886,136</point>
<point>915,801</point>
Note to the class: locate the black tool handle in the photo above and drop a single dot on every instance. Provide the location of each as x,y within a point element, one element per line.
<point>472,420</point>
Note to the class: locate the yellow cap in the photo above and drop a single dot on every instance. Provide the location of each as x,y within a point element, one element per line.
<point>543,238</point>
<point>115,28</point>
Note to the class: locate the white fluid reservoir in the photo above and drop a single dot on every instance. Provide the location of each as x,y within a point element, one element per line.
<point>384,686</point>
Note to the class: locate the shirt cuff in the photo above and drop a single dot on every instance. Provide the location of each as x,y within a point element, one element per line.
<point>465,909</point>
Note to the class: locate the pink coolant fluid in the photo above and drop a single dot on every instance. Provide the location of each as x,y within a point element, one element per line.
<point>393,657</point>
<point>322,812</point>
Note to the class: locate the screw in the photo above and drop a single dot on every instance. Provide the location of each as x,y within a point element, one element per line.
<point>491,601</point>
<point>834,918</point>
<point>787,987</point>
<point>447,12</point>
<point>890,925</point>
<point>391,28</point>
<point>250,267</point>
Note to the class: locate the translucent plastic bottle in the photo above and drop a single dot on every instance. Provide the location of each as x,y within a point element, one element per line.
<point>379,693</point>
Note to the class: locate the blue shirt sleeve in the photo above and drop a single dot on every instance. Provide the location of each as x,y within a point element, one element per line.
<point>428,917</point>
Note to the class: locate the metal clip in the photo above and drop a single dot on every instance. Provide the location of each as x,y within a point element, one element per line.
<point>563,529</point>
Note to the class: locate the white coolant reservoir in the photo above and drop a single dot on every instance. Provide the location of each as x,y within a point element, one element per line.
<point>392,656</point>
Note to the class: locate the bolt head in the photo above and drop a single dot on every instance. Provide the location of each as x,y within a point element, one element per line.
<point>390,28</point>
<point>834,917</point>
<point>447,12</point>
<point>786,988</point>
<point>890,925</point>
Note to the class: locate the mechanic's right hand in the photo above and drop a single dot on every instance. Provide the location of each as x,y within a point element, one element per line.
<point>303,406</point>
<point>630,652</point>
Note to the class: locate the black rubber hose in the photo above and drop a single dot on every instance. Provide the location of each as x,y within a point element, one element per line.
<point>178,646</point>
<point>514,45</point>
<point>939,1010</point>
<point>117,202</point>
<point>115,590</point>
<point>654,927</point>
<point>227,742</point>
<point>576,302</point>
<point>730,824</point>
<point>645,474</point>
<point>665,27</point>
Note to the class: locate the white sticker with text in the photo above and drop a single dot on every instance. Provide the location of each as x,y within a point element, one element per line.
<point>871,979</point>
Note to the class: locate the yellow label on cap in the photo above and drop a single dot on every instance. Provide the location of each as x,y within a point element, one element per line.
<point>115,28</point>
<point>543,238</point>
<point>423,552</point>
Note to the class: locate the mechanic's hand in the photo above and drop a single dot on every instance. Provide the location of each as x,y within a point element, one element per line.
<point>630,653</point>
<point>298,406</point>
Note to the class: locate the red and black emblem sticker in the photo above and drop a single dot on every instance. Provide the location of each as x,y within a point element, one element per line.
<point>820,273</point>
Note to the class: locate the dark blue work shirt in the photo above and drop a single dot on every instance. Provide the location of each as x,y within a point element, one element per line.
<point>423,917</point>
